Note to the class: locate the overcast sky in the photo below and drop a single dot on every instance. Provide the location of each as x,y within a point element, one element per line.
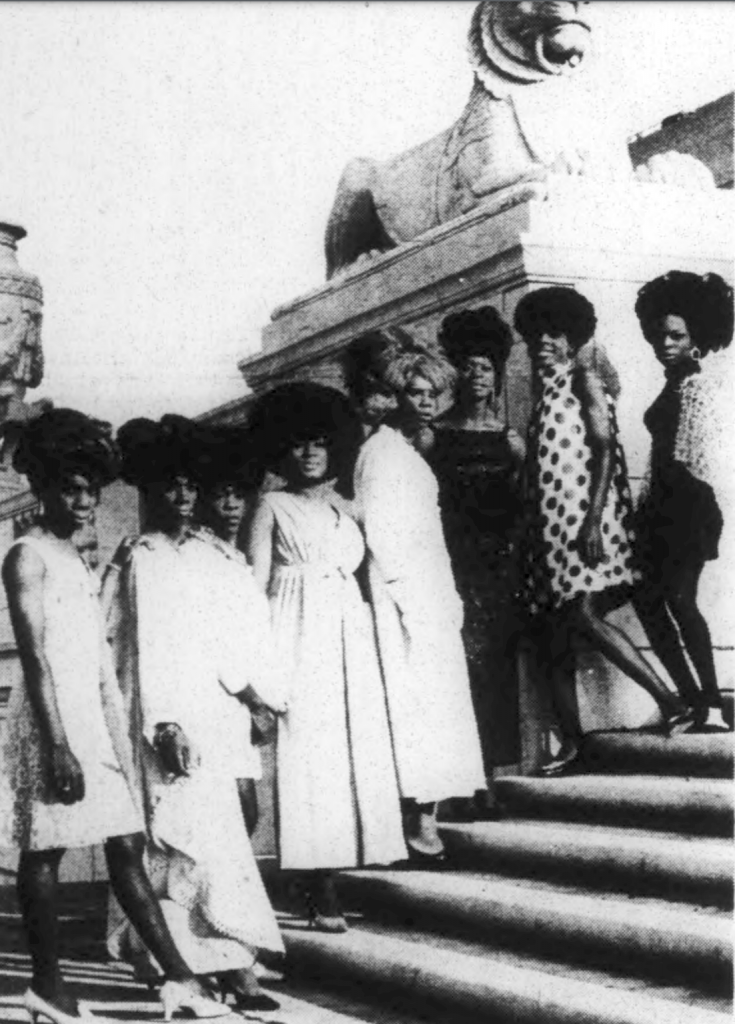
<point>174,163</point>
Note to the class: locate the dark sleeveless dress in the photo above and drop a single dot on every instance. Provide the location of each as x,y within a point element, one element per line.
<point>480,507</point>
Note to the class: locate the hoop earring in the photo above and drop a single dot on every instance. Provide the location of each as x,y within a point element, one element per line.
<point>696,355</point>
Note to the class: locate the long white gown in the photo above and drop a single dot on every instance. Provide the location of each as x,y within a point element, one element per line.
<point>338,801</point>
<point>246,649</point>
<point>163,620</point>
<point>418,618</point>
<point>90,707</point>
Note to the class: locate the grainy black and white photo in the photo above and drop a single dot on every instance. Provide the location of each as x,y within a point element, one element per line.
<point>367,511</point>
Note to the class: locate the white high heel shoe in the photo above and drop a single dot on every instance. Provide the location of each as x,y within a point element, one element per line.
<point>37,1007</point>
<point>187,995</point>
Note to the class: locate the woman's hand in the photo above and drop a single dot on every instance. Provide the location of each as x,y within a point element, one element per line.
<point>589,542</point>
<point>175,750</point>
<point>65,775</point>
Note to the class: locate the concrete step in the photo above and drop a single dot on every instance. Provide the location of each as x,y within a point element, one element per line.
<point>677,867</point>
<point>695,806</point>
<point>462,981</point>
<point>695,756</point>
<point>649,938</point>
<point>112,995</point>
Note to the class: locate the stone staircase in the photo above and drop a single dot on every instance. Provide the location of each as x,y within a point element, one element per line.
<point>599,898</point>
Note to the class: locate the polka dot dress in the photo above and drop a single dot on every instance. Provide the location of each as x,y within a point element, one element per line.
<point>559,482</point>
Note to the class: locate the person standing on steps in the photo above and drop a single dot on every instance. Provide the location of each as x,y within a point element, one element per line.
<point>180,688</point>
<point>416,608</point>
<point>579,561</point>
<point>67,757</point>
<point>478,462</point>
<point>229,487</point>
<point>685,318</point>
<point>337,792</point>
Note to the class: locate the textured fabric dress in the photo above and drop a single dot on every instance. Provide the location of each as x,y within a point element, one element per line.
<point>558,496</point>
<point>480,508</point>
<point>418,618</point>
<point>165,626</point>
<point>679,518</point>
<point>338,801</point>
<point>91,711</point>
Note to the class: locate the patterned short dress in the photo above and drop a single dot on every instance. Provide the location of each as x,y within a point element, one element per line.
<point>558,497</point>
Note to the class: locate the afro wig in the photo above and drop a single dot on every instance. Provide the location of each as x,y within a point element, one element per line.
<point>705,304</point>
<point>63,442</point>
<point>153,453</point>
<point>556,311</point>
<point>304,411</point>
<point>477,332</point>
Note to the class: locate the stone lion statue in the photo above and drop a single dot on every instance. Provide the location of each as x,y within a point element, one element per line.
<point>528,115</point>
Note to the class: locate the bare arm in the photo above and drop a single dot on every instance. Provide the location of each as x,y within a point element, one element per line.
<point>259,546</point>
<point>518,452</point>
<point>596,414</point>
<point>24,576</point>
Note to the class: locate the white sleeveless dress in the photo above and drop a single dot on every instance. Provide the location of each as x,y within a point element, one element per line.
<point>338,801</point>
<point>91,711</point>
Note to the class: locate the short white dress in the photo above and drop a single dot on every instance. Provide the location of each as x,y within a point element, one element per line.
<point>338,800</point>
<point>90,706</point>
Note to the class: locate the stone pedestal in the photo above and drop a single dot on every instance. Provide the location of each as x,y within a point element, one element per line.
<point>604,240</point>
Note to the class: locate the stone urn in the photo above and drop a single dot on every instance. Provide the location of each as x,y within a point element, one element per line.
<point>21,302</point>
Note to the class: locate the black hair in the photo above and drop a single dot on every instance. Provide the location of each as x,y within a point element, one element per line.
<point>228,458</point>
<point>477,332</point>
<point>705,304</point>
<point>64,442</point>
<point>555,311</point>
<point>304,411</point>
<point>155,452</point>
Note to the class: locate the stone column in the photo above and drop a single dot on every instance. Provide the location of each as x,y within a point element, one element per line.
<point>21,354</point>
<point>21,302</point>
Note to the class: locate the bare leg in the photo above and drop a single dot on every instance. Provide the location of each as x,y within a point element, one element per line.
<point>135,895</point>
<point>422,834</point>
<point>560,674</point>
<point>650,606</point>
<point>325,893</point>
<point>681,597</point>
<point>249,803</point>
<point>617,647</point>
<point>37,890</point>
<point>323,902</point>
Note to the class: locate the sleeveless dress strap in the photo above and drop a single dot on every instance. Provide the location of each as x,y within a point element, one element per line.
<point>37,544</point>
<point>58,563</point>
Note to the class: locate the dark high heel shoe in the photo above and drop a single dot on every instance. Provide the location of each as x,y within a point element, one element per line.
<point>245,1001</point>
<point>333,923</point>
<point>680,722</point>
<point>563,764</point>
